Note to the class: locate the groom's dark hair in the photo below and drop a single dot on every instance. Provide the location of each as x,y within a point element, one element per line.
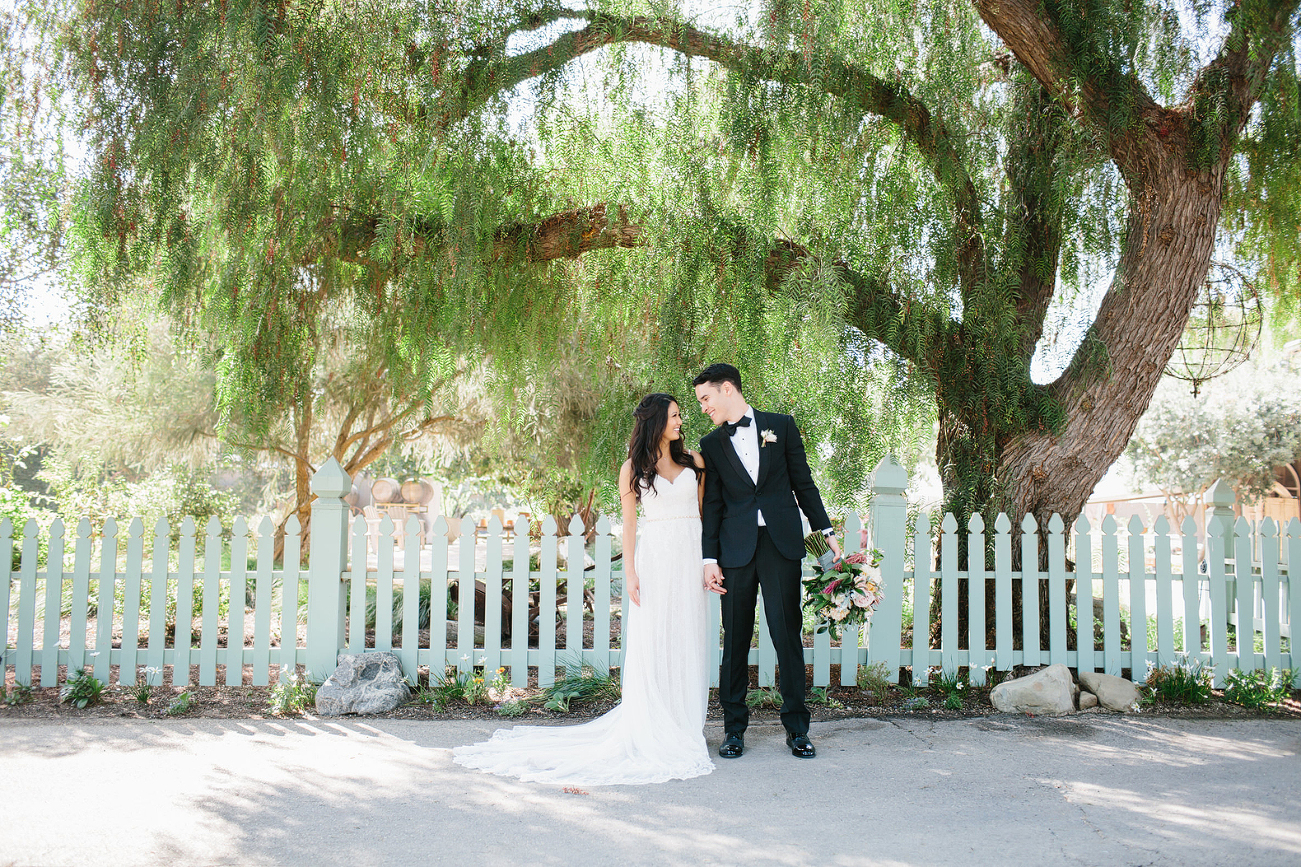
<point>716,374</point>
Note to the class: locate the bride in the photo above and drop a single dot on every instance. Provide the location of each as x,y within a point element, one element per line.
<point>656,732</point>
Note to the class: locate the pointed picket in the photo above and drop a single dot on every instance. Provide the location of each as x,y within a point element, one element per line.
<point>466,654</point>
<point>949,589</point>
<point>1245,584</point>
<point>601,602</point>
<point>1219,533</point>
<point>1165,600</point>
<point>155,657</point>
<point>519,600</point>
<point>1112,662</point>
<point>77,656</point>
<point>126,670</point>
<point>1029,591</point>
<point>574,591</point>
<point>236,610</point>
<point>23,649</point>
<point>1086,655</point>
<point>384,585</point>
<point>266,549</point>
<point>976,654</point>
<point>921,625</point>
<point>410,652</point>
<point>851,639</point>
<point>211,603</point>
<point>1138,658</point>
<point>291,562</point>
<point>492,625</point>
<point>439,578</point>
<point>1270,590</point>
<point>183,629</point>
<point>53,605</point>
<point>1057,604</point>
<point>106,600</point>
<point>357,581</point>
<point>1190,582</point>
<point>1294,600</point>
<point>1003,592</point>
<point>547,605</point>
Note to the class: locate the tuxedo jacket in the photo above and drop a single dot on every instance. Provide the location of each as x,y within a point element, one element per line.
<point>730,512</point>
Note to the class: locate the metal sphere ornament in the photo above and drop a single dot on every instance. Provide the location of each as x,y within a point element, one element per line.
<point>1223,328</point>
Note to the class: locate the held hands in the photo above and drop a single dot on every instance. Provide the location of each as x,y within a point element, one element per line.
<point>714,579</point>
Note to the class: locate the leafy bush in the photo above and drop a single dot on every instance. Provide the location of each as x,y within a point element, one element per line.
<point>1185,682</point>
<point>875,681</point>
<point>1258,689</point>
<point>292,697</point>
<point>181,704</point>
<point>15,504</point>
<point>81,690</point>
<point>587,685</point>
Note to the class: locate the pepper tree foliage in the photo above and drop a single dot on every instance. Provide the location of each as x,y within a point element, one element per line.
<point>869,208</point>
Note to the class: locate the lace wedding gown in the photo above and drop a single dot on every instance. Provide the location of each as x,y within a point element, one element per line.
<point>656,733</point>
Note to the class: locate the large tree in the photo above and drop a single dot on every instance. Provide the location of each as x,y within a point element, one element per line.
<point>813,189</point>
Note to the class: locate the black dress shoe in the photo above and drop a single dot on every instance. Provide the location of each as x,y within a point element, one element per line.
<point>733,746</point>
<point>800,746</point>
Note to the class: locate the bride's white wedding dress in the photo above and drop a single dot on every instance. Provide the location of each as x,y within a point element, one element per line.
<point>656,732</point>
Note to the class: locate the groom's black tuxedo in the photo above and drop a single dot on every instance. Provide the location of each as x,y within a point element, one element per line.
<point>754,557</point>
<point>730,522</point>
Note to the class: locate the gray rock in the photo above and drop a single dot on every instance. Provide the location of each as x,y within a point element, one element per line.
<point>1114,693</point>
<point>363,683</point>
<point>1087,700</point>
<point>1050,690</point>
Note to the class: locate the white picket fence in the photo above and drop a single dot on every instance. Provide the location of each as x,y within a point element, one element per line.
<point>59,621</point>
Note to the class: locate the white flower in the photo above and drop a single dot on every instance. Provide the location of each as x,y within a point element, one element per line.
<point>765,437</point>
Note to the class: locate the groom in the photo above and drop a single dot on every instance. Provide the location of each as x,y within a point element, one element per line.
<point>755,473</point>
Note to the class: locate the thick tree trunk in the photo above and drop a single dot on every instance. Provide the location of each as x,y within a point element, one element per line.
<point>1168,251</point>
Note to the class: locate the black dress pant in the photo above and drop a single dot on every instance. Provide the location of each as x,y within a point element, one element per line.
<point>779,578</point>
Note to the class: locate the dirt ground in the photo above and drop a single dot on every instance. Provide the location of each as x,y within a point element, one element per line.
<point>253,702</point>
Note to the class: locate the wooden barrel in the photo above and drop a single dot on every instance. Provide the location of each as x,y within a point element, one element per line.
<point>417,491</point>
<point>386,491</point>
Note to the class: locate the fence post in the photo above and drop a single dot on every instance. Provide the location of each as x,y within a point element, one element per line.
<point>889,528</point>
<point>1219,543</point>
<point>327,560</point>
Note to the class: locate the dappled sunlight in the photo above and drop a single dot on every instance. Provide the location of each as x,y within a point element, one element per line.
<point>1254,823</point>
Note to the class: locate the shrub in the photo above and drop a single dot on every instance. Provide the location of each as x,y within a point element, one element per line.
<point>1258,689</point>
<point>81,690</point>
<point>1185,682</point>
<point>292,697</point>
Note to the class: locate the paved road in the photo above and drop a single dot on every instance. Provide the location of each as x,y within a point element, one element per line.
<point>1091,789</point>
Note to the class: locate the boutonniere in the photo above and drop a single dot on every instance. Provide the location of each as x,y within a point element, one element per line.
<point>765,437</point>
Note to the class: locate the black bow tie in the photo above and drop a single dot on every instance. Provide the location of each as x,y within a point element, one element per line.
<point>731,426</point>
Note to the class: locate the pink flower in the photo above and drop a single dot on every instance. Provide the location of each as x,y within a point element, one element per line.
<point>857,559</point>
<point>831,588</point>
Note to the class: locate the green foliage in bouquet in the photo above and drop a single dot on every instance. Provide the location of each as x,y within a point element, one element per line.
<point>844,594</point>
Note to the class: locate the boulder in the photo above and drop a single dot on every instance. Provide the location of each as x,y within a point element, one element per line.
<point>1114,693</point>
<point>1087,700</point>
<point>363,683</point>
<point>1050,690</point>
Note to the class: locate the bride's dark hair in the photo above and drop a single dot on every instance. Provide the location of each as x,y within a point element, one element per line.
<point>652,417</point>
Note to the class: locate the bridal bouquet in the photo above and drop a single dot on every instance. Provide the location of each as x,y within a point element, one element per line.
<point>844,593</point>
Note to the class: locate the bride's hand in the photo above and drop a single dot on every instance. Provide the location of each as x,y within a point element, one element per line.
<point>634,586</point>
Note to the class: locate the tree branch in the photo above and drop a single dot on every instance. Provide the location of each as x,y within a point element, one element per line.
<point>857,87</point>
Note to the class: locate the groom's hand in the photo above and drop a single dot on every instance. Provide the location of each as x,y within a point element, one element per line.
<point>834,546</point>
<point>714,579</point>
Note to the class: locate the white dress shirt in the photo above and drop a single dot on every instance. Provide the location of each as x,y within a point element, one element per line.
<point>746,442</point>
